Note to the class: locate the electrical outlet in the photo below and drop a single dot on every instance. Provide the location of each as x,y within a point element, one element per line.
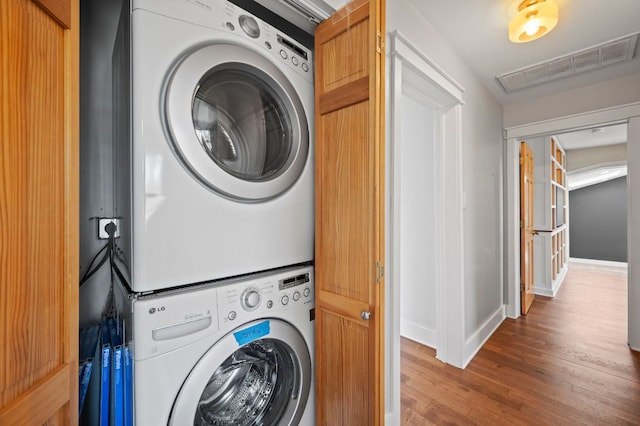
<point>102,227</point>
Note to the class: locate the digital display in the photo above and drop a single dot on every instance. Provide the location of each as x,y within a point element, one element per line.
<point>293,281</point>
<point>293,47</point>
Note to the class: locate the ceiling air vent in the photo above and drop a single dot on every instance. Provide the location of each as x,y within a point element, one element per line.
<point>600,56</point>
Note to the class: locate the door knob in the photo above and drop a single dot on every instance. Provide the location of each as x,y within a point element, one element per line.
<point>365,315</point>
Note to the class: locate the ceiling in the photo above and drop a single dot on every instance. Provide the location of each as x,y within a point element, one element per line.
<point>477,30</point>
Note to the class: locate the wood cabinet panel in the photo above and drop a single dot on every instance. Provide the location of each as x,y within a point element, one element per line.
<point>38,216</point>
<point>349,184</point>
<point>345,49</point>
<point>345,250</point>
<point>346,360</point>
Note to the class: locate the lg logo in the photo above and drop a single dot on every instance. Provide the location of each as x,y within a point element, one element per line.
<point>158,309</point>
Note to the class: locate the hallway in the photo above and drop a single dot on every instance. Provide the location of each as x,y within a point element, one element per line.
<point>566,363</point>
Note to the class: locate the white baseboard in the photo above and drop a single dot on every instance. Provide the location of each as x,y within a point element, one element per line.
<point>542,291</point>
<point>477,339</point>
<point>598,265</point>
<point>555,285</point>
<point>559,280</point>
<point>419,333</point>
<point>392,419</point>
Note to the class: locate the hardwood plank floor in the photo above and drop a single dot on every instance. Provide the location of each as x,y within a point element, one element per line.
<point>566,363</point>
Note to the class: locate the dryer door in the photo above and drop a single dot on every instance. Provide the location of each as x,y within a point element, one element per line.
<point>259,374</point>
<point>236,122</point>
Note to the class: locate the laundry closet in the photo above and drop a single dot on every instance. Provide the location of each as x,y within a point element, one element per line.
<point>197,180</point>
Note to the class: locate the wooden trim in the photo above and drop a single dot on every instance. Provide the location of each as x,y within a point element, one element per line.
<point>343,306</point>
<point>72,203</point>
<point>344,96</point>
<point>378,33</point>
<point>36,405</point>
<point>60,10</point>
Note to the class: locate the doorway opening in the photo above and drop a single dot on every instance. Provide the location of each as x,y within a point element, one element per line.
<point>629,114</point>
<point>425,239</point>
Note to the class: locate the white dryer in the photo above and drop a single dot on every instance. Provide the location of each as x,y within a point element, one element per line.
<point>214,168</point>
<point>236,353</point>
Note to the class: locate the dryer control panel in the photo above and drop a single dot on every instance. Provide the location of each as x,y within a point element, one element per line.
<point>269,40</point>
<point>240,301</point>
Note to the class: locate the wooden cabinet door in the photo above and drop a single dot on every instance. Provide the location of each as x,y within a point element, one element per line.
<point>526,228</point>
<point>39,212</point>
<point>349,183</point>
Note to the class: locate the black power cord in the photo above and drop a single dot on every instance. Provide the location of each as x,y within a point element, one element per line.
<point>110,228</point>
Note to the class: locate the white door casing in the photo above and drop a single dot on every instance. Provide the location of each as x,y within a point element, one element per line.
<point>513,135</point>
<point>446,94</point>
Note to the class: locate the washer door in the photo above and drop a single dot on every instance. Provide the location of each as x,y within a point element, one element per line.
<point>236,122</point>
<point>259,374</point>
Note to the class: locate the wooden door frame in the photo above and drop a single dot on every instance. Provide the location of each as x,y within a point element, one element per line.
<point>448,189</point>
<point>513,135</point>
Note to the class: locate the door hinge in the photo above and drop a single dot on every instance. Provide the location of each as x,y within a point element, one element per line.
<point>522,224</point>
<point>379,42</point>
<point>521,286</point>
<point>379,272</point>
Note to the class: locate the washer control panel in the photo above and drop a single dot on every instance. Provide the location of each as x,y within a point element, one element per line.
<point>255,297</point>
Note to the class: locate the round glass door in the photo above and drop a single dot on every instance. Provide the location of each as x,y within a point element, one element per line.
<point>251,387</point>
<point>262,382</point>
<point>236,123</point>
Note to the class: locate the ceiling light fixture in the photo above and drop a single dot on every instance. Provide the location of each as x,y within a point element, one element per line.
<point>535,18</point>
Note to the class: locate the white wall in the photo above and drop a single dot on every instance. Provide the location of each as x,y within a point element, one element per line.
<point>482,176</point>
<point>607,94</point>
<point>417,261</point>
<point>98,24</point>
<point>633,180</point>
<point>579,158</point>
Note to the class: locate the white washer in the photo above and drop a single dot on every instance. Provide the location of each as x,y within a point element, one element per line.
<point>214,168</point>
<point>238,352</point>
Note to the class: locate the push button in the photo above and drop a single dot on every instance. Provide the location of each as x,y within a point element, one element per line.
<point>283,54</point>
<point>305,67</point>
<point>296,296</point>
<point>232,315</point>
<point>285,300</point>
<point>306,292</point>
<point>294,60</point>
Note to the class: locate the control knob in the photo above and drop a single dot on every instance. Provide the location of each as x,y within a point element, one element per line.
<point>250,299</point>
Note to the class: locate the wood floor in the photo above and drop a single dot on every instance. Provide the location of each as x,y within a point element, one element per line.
<point>566,363</point>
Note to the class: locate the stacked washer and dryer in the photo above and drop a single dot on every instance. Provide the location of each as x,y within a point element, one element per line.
<point>214,191</point>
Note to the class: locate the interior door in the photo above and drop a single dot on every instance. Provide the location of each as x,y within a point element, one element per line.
<point>39,212</point>
<point>526,227</point>
<point>349,120</point>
